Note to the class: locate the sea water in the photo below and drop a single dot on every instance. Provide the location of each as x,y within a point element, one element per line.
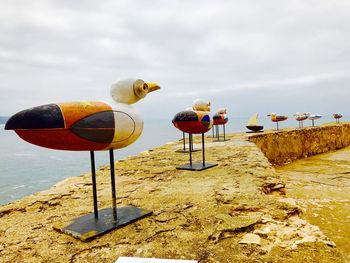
<point>26,168</point>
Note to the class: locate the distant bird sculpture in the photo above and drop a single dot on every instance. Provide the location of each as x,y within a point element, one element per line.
<point>90,126</point>
<point>220,118</point>
<point>337,117</point>
<point>253,125</point>
<point>314,117</point>
<point>184,150</point>
<point>277,118</point>
<point>301,117</point>
<point>196,121</point>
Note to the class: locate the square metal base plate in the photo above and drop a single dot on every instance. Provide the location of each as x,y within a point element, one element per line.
<point>221,140</point>
<point>187,150</point>
<point>196,166</point>
<point>87,227</point>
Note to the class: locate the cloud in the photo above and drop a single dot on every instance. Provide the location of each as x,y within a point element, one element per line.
<point>72,50</point>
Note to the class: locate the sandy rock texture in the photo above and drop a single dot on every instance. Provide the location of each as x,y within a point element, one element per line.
<point>196,215</point>
<point>284,146</point>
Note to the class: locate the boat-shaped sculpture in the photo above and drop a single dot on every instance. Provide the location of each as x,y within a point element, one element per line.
<point>196,121</point>
<point>90,126</point>
<point>253,125</point>
<point>277,118</point>
<point>337,117</point>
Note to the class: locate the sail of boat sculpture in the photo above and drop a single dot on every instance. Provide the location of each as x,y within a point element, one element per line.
<point>253,125</point>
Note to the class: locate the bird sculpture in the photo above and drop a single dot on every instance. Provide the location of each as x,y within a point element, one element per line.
<point>196,121</point>
<point>90,126</point>
<point>337,117</point>
<point>220,118</point>
<point>301,117</point>
<point>277,118</point>
<point>184,150</point>
<point>314,117</point>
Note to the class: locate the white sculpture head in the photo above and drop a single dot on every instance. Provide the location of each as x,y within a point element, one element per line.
<point>201,105</point>
<point>222,111</point>
<point>129,91</point>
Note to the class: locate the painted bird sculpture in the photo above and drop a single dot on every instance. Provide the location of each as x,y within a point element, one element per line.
<point>86,125</point>
<point>337,117</point>
<point>277,118</point>
<point>90,126</point>
<point>301,117</point>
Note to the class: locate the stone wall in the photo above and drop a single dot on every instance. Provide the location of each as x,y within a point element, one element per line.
<point>282,147</point>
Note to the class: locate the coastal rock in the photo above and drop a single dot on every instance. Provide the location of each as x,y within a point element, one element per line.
<point>251,239</point>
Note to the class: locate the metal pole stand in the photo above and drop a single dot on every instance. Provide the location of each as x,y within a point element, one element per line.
<point>184,150</point>
<point>102,221</point>
<point>196,166</point>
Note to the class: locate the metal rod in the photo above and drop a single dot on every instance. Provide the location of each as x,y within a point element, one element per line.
<point>190,149</point>
<point>277,126</point>
<point>203,150</point>
<point>191,143</point>
<point>183,138</point>
<point>94,191</point>
<point>114,200</point>
<point>213,131</point>
<point>217,132</point>
<point>313,123</point>
<point>223,126</point>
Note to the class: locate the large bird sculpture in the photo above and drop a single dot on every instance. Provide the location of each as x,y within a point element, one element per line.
<point>90,126</point>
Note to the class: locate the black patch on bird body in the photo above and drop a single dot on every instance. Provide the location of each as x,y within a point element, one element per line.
<point>217,116</point>
<point>185,116</point>
<point>42,117</point>
<point>98,127</point>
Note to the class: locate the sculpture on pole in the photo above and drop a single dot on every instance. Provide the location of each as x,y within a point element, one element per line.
<point>90,126</point>
<point>196,121</point>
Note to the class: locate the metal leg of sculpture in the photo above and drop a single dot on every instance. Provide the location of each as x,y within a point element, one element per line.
<point>184,140</point>
<point>196,166</point>
<point>114,199</point>
<point>90,226</point>
<point>313,123</point>
<point>94,191</point>
<point>223,127</point>
<point>203,150</point>
<point>277,126</point>
<point>190,142</point>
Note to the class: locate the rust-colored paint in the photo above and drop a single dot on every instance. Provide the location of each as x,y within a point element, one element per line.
<point>59,139</point>
<point>75,111</point>
<point>203,124</point>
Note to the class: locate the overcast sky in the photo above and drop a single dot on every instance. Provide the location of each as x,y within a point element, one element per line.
<point>248,56</point>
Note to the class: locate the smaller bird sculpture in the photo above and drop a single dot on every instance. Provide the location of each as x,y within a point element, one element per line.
<point>314,117</point>
<point>220,118</point>
<point>184,150</point>
<point>277,118</point>
<point>337,117</point>
<point>196,121</point>
<point>301,117</point>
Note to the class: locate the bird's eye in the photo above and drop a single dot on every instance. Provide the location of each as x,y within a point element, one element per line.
<point>145,87</point>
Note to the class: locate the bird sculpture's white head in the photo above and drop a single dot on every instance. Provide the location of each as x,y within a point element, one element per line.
<point>222,111</point>
<point>129,91</point>
<point>201,105</point>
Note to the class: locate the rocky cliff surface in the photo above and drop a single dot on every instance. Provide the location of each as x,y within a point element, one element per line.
<point>284,146</point>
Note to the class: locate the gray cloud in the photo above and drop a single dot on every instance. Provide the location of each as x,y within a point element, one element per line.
<point>245,55</point>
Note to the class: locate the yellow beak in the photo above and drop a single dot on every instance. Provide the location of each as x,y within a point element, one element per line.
<point>152,86</point>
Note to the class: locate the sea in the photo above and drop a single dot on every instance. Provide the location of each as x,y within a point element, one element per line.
<point>26,168</point>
